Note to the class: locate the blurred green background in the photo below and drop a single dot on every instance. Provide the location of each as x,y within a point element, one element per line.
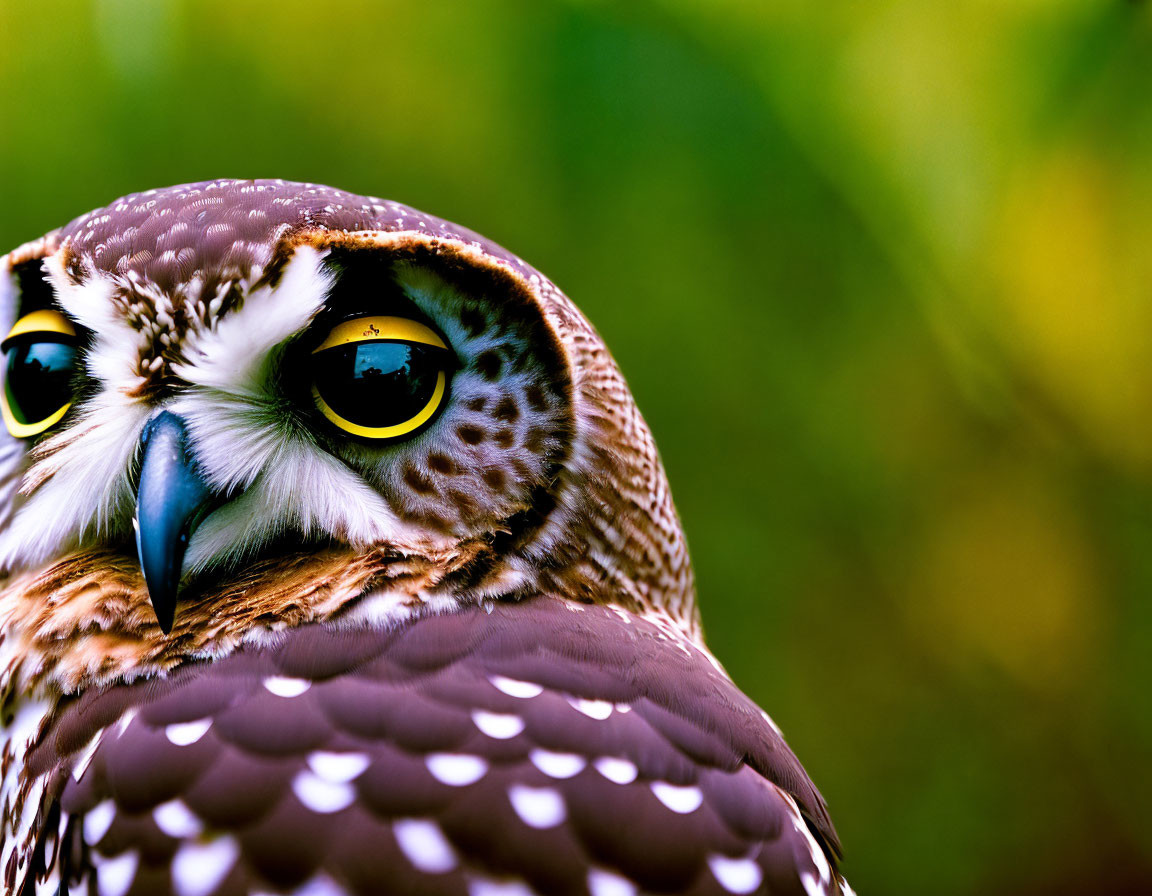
<point>880,275</point>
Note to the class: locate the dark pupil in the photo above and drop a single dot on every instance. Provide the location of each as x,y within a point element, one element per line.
<point>377,383</point>
<point>39,380</point>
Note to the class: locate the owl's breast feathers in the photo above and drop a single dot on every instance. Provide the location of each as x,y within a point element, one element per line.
<point>541,747</point>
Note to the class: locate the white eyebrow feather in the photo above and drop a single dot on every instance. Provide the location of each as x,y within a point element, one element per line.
<point>232,355</point>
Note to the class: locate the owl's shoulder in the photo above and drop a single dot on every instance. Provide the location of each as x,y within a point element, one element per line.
<point>544,742</point>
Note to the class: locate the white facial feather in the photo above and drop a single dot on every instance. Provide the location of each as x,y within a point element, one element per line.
<point>302,490</point>
<point>232,356</point>
<point>89,490</point>
<point>112,357</point>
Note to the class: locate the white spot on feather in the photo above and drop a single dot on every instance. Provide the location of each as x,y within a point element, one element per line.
<point>811,885</point>
<point>538,807</point>
<point>322,797</point>
<point>115,876</point>
<point>126,720</point>
<point>185,734</point>
<point>424,845</point>
<point>605,883</point>
<point>286,687</point>
<point>199,868</point>
<point>500,726</point>
<point>456,769</point>
<point>736,875</point>
<point>558,765</point>
<point>483,887</point>
<point>515,688</point>
<point>616,770</point>
<point>176,820</point>
<point>338,768</point>
<point>319,885</point>
<point>97,821</point>
<point>681,800</point>
<point>818,857</point>
<point>85,758</point>
<point>594,709</point>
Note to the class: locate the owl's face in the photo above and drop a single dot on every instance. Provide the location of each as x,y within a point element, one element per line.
<point>217,383</point>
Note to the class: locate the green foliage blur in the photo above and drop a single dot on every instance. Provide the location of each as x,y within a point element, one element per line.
<point>880,276</point>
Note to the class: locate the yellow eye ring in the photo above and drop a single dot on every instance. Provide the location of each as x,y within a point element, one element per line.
<point>370,329</point>
<point>27,430</point>
<point>43,321</point>
<point>49,376</point>
<point>386,432</point>
<point>380,378</point>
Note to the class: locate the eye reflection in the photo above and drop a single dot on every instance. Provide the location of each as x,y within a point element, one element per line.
<point>379,386</point>
<point>38,379</point>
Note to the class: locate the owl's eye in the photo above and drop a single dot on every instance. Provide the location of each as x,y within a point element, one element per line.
<point>41,352</point>
<point>381,377</point>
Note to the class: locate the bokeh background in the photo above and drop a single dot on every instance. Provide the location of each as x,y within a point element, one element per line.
<point>880,275</point>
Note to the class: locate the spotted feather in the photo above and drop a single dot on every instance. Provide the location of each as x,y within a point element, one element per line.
<point>546,746</point>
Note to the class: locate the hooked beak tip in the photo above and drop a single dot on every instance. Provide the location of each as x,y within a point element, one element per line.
<point>165,608</point>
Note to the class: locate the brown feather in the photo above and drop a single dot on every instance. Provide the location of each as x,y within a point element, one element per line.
<point>87,619</point>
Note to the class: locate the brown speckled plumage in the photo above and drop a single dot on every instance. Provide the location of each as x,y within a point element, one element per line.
<point>507,590</point>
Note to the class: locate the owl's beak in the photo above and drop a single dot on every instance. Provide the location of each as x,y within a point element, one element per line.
<point>171,500</point>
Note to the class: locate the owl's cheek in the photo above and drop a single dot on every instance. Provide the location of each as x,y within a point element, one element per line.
<point>14,463</point>
<point>309,503</point>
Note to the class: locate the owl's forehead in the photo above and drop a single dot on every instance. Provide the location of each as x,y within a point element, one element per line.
<point>162,265</point>
<point>201,235</point>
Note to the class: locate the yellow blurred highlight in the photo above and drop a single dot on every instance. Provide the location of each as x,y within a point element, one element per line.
<point>916,97</point>
<point>1007,576</point>
<point>1079,328</point>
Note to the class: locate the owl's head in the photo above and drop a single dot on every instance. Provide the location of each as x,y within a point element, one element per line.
<point>247,404</point>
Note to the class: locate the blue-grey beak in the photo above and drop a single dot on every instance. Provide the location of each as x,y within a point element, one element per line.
<point>171,500</point>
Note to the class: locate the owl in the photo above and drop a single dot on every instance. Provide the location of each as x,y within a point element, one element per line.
<point>338,559</point>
